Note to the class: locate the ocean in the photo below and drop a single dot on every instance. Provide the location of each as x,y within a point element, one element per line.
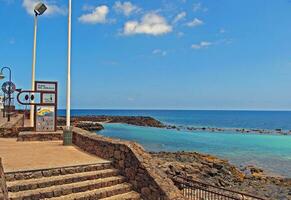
<point>270,152</point>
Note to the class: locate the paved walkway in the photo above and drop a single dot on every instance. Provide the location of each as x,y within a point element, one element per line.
<point>17,156</point>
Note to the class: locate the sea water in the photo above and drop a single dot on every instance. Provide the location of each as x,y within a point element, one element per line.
<point>221,119</point>
<point>270,152</point>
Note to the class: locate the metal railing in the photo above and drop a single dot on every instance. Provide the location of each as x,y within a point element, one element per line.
<point>195,190</point>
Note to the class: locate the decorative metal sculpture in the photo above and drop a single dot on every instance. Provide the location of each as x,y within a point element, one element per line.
<point>8,87</point>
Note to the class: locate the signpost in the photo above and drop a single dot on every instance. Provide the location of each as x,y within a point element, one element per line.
<point>46,113</point>
<point>8,88</point>
<point>44,99</point>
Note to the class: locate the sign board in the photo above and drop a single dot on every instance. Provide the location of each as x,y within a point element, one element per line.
<point>49,98</point>
<point>45,118</point>
<point>46,112</point>
<point>45,86</point>
<point>45,101</point>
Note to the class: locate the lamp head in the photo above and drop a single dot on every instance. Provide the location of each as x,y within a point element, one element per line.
<point>2,76</point>
<point>40,8</point>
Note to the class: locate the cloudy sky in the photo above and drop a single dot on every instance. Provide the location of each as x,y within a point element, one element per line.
<point>157,54</point>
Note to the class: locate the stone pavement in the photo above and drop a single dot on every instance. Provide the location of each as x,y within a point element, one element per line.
<point>18,156</point>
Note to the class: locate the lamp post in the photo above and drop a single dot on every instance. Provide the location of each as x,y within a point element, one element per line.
<point>39,9</point>
<point>68,130</point>
<point>9,90</point>
<point>68,114</point>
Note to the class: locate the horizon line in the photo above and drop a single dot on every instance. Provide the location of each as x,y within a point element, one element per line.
<point>177,109</point>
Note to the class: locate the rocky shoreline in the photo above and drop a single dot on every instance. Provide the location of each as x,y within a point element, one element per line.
<point>201,167</point>
<point>94,123</point>
<point>278,131</point>
<point>91,121</point>
<point>218,172</point>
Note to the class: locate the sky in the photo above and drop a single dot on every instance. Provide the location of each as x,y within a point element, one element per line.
<point>156,54</point>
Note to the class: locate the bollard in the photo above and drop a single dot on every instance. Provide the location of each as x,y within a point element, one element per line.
<point>68,136</point>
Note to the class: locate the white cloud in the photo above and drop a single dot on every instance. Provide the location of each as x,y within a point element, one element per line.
<point>52,8</point>
<point>98,15</point>
<point>127,8</point>
<point>195,22</point>
<point>179,17</point>
<point>160,52</point>
<point>151,24</point>
<point>206,44</point>
<point>203,44</point>
<point>198,7</point>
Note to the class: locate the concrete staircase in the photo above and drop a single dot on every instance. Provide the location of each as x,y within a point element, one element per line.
<point>94,181</point>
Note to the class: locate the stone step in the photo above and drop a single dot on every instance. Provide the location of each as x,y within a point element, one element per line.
<point>32,184</point>
<point>126,196</point>
<point>40,173</point>
<point>59,190</point>
<point>97,193</point>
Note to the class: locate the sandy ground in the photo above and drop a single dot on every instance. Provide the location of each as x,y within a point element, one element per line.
<point>17,156</point>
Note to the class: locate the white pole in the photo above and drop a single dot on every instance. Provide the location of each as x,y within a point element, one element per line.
<point>33,69</point>
<point>68,116</point>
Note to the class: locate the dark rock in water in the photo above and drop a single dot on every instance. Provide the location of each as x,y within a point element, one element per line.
<point>89,126</point>
<point>84,124</point>
<point>132,120</point>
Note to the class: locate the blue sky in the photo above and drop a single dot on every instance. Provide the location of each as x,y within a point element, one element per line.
<point>157,54</point>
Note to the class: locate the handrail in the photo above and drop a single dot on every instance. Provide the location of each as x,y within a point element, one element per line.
<point>196,190</point>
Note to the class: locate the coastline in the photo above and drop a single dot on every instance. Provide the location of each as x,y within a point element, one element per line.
<point>199,166</point>
<point>147,121</point>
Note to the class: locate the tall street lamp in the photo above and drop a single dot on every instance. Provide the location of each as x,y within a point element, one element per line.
<point>2,76</point>
<point>68,129</point>
<point>39,9</point>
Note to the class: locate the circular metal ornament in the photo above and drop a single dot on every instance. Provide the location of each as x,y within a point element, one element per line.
<point>8,87</point>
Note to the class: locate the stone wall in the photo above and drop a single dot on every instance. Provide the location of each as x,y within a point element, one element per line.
<point>39,136</point>
<point>133,162</point>
<point>3,187</point>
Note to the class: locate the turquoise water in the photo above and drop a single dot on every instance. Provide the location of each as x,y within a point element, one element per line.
<point>270,152</point>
